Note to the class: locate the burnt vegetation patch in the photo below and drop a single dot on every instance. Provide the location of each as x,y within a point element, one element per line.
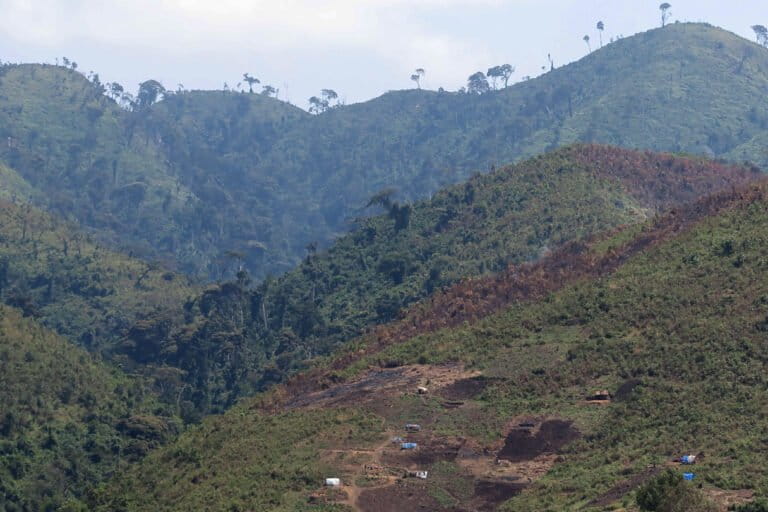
<point>522,444</point>
<point>627,390</point>
<point>465,389</point>
<point>489,494</point>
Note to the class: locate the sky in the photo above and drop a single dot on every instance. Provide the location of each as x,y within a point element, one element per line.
<point>359,48</point>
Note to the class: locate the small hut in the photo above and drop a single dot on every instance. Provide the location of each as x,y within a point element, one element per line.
<point>602,395</point>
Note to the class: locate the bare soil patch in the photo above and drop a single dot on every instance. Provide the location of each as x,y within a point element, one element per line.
<point>523,444</point>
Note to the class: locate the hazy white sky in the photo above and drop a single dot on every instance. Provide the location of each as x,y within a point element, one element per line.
<point>360,48</point>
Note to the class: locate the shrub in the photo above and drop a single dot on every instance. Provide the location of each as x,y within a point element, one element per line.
<point>760,505</point>
<point>668,492</point>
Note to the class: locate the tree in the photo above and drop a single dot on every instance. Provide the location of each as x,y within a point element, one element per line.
<point>668,492</point>
<point>493,73</point>
<point>323,103</point>
<point>268,90</point>
<point>417,76</point>
<point>149,93</point>
<point>762,34</point>
<point>477,83</point>
<point>116,90</point>
<point>329,95</point>
<point>600,28</point>
<point>502,72</point>
<point>317,106</point>
<point>506,73</point>
<point>665,14</point>
<point>250,80</point>
<point>589,46</point>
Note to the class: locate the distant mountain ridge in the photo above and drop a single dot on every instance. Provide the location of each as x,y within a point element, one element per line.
<point>203,177</point>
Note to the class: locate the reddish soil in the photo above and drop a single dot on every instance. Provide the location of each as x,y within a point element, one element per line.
<point>522,444</point>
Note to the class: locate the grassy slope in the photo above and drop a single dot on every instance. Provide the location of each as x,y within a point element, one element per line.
<point>228,171</point>
<point>686,317</point>
<point>64,417</point>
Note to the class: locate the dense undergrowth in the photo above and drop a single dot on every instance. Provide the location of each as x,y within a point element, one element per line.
<point>67,421</point>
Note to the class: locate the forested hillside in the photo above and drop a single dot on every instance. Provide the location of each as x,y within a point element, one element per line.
<point>669,317</point>
<point>66,420</point>
<point>235,339</point>
<point>72,283</point>
<point>211,178</point>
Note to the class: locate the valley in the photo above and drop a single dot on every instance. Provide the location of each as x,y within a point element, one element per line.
<point>548,296</point>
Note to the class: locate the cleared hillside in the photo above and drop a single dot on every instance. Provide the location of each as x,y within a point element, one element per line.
<point>203,173</point>
<point>675,331</point>
<point>516,214</point>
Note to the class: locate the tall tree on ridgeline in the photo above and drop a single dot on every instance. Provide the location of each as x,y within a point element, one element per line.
<point>600,28</point>
<point>665,14</point>
<point>761,32</point>
<point>250,80</point>
<point>417,76</point>
<point>150,93</point>
<point>477,83</point>
<point>502,72</point>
